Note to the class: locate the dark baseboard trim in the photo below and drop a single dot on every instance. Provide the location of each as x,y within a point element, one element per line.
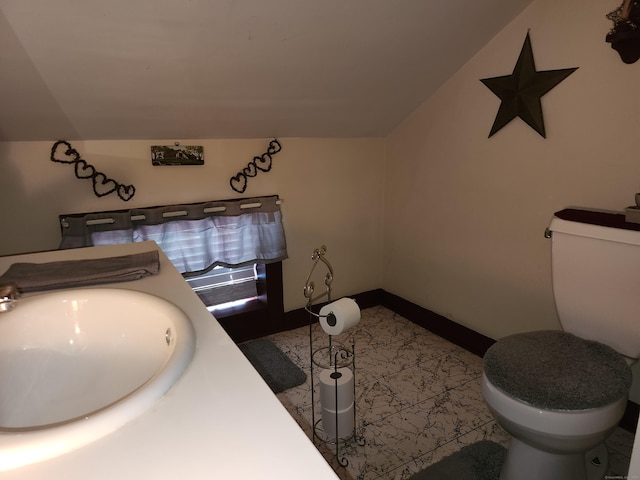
<point>443,327</point>
<point>462,336</point>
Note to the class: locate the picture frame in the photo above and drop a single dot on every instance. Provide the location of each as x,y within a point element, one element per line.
<point>167,155</point>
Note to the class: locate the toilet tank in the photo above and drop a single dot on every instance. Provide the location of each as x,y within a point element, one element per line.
<point>595,259</point>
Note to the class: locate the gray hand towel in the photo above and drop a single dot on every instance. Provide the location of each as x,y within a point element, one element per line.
<point>33,277</point>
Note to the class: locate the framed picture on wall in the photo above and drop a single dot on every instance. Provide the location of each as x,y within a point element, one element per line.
<point>162,155</point>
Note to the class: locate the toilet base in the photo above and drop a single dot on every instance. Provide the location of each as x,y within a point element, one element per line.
<point>525,462</point>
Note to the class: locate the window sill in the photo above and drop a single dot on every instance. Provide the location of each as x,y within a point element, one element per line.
<point>251,306</point>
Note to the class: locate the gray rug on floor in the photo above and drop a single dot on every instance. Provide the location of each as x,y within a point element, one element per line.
<point>273,365</point>
<point>478,461</point>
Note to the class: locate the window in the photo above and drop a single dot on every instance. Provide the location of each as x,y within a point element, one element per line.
<point>224,287</point>
<point>248,302</point>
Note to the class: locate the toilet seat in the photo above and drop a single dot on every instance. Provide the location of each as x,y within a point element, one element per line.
<point>556,370</point>
<point>562,423</point>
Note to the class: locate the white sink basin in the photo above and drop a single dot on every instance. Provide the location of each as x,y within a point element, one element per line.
<point>75,365</point>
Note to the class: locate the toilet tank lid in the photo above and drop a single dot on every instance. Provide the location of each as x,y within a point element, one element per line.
<point>601,224</point>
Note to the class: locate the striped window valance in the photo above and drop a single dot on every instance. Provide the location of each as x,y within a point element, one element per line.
<point>196,237</point>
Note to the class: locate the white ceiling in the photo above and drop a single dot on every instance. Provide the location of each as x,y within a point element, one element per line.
<point>179,69</point>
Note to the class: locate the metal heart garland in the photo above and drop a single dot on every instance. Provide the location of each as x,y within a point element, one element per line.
<point>274,147</point>
<point>239,182</point>
<point>66,153</point>
<point>62,152</point>
<point>248,171</point>
<point>84,170</point>
<point>126,192</point>
<point>102,185</point>
<point>262,163</point>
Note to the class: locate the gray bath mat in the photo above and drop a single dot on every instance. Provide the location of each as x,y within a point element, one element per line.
<point>478,461</point>
<point>273,365</point>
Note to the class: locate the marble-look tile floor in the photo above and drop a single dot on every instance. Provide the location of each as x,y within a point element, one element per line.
<point>417,399</point>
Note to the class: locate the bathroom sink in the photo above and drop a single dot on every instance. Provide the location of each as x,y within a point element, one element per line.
<point>75,365</point>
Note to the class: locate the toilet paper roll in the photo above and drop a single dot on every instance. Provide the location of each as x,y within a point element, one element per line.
<point>338,316</point>
<point>344,385</point>
<point>345,422</point>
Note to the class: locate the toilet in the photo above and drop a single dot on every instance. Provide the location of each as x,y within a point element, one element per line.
<point>561,393</point>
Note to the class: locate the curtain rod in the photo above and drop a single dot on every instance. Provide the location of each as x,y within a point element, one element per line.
<point>177,213</point>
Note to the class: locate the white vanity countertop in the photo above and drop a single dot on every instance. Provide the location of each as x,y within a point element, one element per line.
<point>219,421</point>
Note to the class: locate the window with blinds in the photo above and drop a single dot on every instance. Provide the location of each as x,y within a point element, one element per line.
<point>224,287</point>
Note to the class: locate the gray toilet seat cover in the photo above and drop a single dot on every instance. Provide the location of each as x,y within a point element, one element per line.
<point>556,370</point>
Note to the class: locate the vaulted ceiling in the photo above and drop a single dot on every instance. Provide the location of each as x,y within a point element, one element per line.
<point>179,69</point>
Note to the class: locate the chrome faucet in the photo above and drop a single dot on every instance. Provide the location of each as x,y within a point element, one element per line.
<point>9,295</point>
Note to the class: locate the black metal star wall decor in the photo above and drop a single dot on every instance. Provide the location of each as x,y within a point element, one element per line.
<point>521,91</point>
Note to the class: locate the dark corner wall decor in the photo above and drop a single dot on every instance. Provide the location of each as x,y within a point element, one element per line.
<point>624,36</point>
<point>62,152</point>
<point>263,163</point>
<point>520,92</point>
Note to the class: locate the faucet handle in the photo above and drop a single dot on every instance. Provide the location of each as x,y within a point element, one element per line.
<point>9,295</point>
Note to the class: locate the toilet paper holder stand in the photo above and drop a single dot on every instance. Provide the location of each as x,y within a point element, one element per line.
<point>336,355</point>
<point>309,286</point>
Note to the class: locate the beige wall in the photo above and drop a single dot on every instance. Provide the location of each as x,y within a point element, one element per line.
<point>331,191</point>
<point>465,214</point>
